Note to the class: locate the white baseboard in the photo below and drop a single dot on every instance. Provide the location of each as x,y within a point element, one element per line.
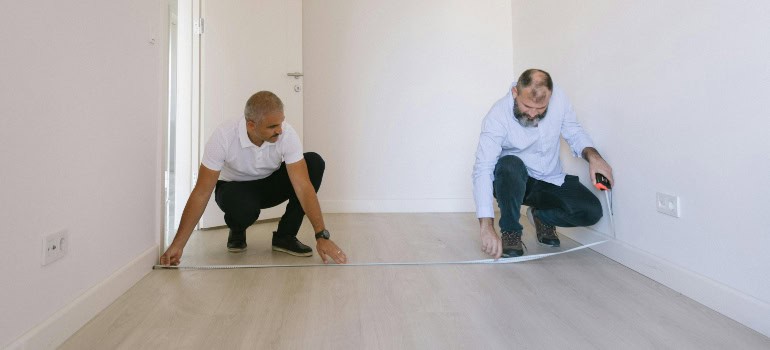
<point>64,323</point>
<point>444,205</point>
<point>732,303</point>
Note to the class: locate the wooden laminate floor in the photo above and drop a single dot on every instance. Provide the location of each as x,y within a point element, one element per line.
<point>579,300</point>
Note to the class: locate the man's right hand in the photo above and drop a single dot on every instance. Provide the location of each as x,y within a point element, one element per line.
<point>490,241</point>
<point>172,256</point>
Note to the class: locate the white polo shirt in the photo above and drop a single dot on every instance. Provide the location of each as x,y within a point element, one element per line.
<point>230,151</point>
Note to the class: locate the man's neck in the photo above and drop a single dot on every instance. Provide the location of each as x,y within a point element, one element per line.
<point>255,140</point>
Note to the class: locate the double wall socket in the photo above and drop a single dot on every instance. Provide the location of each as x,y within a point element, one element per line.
<point>668,204</point>
<point>55,246</point>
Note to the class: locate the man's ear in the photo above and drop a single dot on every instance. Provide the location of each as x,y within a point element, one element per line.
<point>514,92</point>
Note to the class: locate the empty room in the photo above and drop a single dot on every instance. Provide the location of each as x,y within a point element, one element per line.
<point>372,174</point>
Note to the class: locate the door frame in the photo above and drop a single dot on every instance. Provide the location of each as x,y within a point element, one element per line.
<point>181,138</point>
<point>188,147</point>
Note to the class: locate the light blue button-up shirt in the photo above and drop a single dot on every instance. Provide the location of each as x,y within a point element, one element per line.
<point>538,147</point>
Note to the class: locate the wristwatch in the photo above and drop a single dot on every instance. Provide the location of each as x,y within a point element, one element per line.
<point>323,234</point>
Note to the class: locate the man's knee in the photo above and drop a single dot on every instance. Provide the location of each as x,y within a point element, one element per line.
<point>315,161</point>
<point>591,213</point>
<point>512,167</point>
<point>315,168</point>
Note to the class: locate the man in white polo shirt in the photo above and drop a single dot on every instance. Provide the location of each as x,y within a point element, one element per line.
<point>255,163</point>
<point>517,161</point>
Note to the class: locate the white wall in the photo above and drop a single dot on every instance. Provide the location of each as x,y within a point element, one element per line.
<point>81,112</point>
<point>674,94</point>
<point>394,96</point>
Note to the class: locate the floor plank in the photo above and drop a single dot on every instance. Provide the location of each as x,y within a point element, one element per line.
<point>580,300</point>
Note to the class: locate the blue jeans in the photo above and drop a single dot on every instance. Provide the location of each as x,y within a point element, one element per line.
<point>568,205</point>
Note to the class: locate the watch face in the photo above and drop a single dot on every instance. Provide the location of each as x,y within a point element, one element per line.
<point>322,234</point>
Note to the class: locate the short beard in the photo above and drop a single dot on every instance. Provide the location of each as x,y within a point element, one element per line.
<point>523,118</point>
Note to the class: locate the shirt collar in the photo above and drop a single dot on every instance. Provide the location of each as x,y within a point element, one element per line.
<point>243,136</point>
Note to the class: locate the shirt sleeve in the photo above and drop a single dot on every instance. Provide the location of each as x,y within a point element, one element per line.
<point>573,132</point>
<point>487,154</point>
<point>291,149</point>
<point>215,153</point>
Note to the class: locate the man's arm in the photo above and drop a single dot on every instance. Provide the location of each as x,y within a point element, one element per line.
<point>192,213</point>
<point>597,164</point>
<point>487,154</point>
<point>300,180</point>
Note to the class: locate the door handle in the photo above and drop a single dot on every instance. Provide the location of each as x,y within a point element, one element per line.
<point>296,75</point>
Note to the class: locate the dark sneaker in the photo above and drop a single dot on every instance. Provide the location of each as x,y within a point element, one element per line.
<point>291,245</point>
<point>512,244</point>
<point>236,242</point>
<point>546,234</point>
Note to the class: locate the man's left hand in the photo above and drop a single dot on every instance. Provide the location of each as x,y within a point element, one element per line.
<point>326,248</point>
<point>597,164</point>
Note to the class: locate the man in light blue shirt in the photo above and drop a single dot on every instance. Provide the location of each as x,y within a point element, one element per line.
<point>517,162</point>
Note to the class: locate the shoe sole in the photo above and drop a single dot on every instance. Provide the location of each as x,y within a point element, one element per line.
<point>284,250</point>
<point>236,250</point>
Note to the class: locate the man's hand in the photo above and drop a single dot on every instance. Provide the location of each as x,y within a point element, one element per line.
<point>597,164</point>
<point>326,248</point>
<point>490,241</point>
<point>172,256</point>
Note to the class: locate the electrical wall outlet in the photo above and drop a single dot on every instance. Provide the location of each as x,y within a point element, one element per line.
<point>668,204</point>
<point>55,246</point>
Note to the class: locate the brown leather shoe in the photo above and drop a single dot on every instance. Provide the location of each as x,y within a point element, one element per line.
<point>512,244</point>
<point>546,234</point>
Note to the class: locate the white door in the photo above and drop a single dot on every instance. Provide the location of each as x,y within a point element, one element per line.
<point>248,46</point>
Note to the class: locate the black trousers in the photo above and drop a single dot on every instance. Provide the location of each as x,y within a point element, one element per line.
<point>242,200</point>
<point>568,205</point>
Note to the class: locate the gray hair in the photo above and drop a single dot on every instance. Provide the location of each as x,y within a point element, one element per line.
<point>262,103</point>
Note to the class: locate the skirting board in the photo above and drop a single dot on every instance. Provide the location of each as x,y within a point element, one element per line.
<point>732,303</point>
<point>64,323</point>
<point>443,205</point>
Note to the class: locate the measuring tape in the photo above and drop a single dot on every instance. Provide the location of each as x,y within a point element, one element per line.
<point>466,262</point>
<point>603,184</point>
